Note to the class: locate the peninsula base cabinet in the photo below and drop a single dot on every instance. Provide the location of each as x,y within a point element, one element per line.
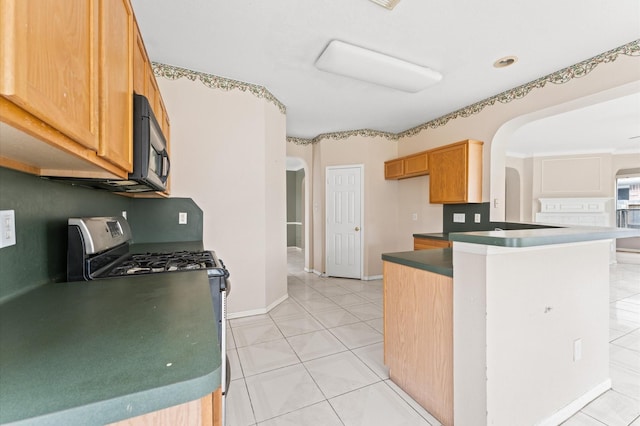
<point>206,411</point>
<point>430,243</point>
<point>418,336</point>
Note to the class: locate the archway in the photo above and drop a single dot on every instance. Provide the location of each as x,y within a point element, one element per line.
<point>298,211</point>
<point>504,133</point>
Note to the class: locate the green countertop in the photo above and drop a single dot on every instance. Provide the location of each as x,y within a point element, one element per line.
<point>434,236</point>
<point>96,352</point>
<point>438,261</point>
<point>542,236</point>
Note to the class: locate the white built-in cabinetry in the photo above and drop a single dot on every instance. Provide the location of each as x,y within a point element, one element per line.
<point>575,211</point>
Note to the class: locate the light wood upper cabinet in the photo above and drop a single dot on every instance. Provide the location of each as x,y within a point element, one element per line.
<point>140,63</point>
<point>456,173</point>
<point>416,165</point>
<point>394,169</point>
<point>49,63</point>
<point>406,167</point>
<point>116,82</point>
<point>68,70</point>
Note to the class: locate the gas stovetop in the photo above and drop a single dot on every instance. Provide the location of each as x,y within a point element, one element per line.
<point>150,263</point>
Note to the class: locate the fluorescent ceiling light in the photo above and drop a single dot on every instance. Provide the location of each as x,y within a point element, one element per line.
<point>389,4</point>
<point>366,65</point>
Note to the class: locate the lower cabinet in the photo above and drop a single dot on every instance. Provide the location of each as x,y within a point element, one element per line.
<point>206,411</point>
<point>418,336</point>
<point>430,243</point>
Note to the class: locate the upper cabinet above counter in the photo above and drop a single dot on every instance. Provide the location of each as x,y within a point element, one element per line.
<point>455,171</point>
<point>67,75</point>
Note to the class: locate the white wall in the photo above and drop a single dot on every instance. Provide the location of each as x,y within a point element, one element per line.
<point>228,153</point>
<point>380,232</point>
<point>578,175</point>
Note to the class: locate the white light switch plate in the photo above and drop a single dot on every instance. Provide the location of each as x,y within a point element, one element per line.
<point>458,217</point>
<point>476,218</point>
<point>7,228</point>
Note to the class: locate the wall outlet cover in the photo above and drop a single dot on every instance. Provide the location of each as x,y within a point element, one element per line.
<point>476,218</point>
<point>458,217</point>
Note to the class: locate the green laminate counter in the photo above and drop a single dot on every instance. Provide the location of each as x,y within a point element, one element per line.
<point>542,236</point>
<point>438,261</point>
<point>435,236</point>
<point>91,353</point>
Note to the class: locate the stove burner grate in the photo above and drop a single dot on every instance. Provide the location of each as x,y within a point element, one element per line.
<point>150,263</point>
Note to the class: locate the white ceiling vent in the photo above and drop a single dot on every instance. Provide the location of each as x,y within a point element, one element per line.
<point>373,67</point>
<point>389,4</point>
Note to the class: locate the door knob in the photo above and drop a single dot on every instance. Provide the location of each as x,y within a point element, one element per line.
<point>357,228</point>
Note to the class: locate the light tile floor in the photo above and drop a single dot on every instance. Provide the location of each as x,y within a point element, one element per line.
<point>316,359</point>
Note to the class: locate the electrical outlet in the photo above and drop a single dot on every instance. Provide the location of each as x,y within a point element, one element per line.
<point>476,218</point>
<point>124,214</point>
<point>458,217</point>
<point>182,218</point>
<point>414,216</point>
<point>7,228</point>
<point>577,350</point>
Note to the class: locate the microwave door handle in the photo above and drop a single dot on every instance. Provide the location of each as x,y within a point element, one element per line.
<point>166,165</point>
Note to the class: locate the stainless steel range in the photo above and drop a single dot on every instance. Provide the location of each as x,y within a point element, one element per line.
<point>99,247</point>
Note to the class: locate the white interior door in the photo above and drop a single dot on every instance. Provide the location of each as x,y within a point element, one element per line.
<point>344,222</point>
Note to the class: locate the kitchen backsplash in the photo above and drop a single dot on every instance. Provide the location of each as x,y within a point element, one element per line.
<point>468,211</point>
<point>42,208</point>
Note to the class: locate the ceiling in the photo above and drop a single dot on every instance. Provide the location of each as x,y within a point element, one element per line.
<point>276,43</point>
<point>612,126</point>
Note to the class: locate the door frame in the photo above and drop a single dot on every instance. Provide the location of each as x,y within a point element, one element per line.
<point>326,214</point>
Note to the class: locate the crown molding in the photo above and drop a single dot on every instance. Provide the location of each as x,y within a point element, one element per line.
<point>215,82</point>
<point>562,76</point>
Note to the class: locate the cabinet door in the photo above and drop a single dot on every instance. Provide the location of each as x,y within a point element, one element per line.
<point>116,82</point>
<point>48,63</point>
<point>416,165</point>
<point>393,169</point>
<point>448,174</point>
<point>140,64</point>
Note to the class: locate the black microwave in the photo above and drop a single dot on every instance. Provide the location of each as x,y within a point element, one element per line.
<point>150,158</point>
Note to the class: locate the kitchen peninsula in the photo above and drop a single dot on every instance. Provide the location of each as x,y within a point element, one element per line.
<point>507,327</point>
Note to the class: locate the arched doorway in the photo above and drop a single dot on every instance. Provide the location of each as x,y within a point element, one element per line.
<point>298,213</point>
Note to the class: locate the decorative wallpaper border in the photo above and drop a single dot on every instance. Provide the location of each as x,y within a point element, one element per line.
<point>562,76</point>
<point>215,82</point>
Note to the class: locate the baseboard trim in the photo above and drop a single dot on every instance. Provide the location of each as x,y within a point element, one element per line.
<point>277,302</point>
<point>318,273</point>
<point>569,410</point>
<point>260,311</point>
<point>372,278</point>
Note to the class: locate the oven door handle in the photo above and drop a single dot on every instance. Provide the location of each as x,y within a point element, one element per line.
<point>228,379</point>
